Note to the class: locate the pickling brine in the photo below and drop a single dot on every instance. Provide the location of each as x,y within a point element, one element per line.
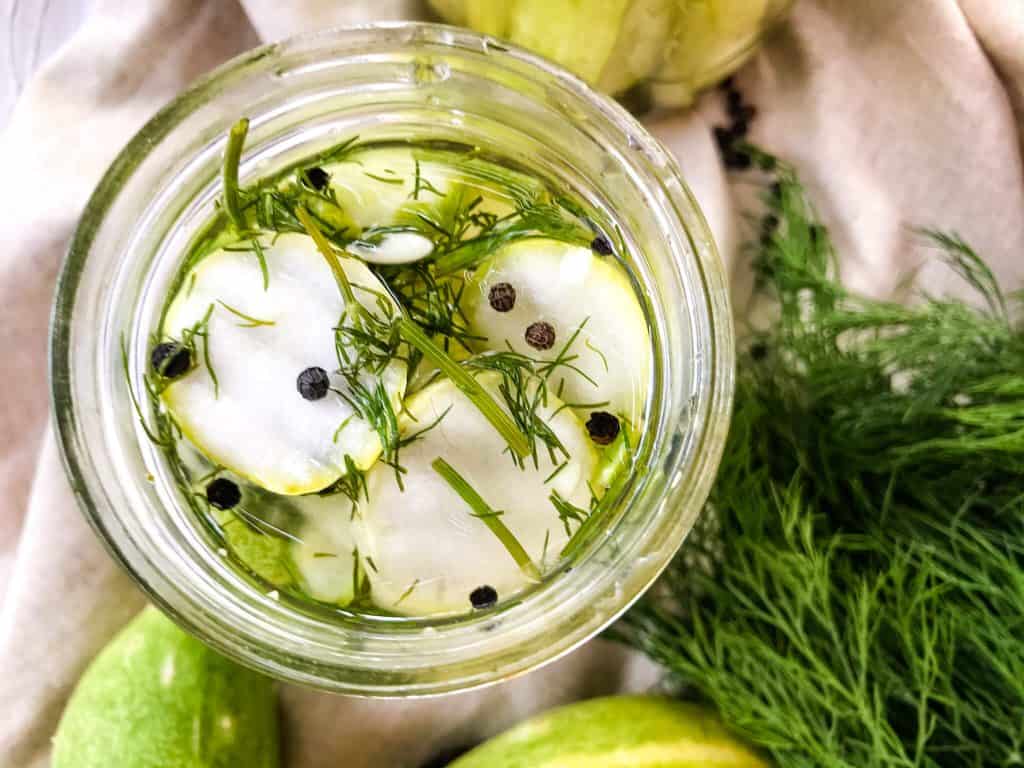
<point>400,379</point>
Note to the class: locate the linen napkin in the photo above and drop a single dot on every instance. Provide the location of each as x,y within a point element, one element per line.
<point>898,114</point>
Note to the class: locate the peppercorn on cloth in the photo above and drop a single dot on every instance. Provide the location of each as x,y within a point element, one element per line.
<point>898,114</point>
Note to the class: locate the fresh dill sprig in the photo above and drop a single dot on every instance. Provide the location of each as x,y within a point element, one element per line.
<point>524,393</point>
<point>568,513</point>
<point>435,304</point>
<point>596,521</point>
<point>201,330</point>
<point>566,359</point>
<point>249,245</point>
<point>525,388</point>
<point>421,184</point>
<point>157,436</point>
<point>373,405</point>
<point>524,190</point>
<point>250,321</point>
<point>556,472</point>
<point>365,343</point>
<point>598,352</point>
<point>487,515</point>
<point>853,596</point>
<point>384,179</point>
<point>273,205</point>
<point>351,484</point>
<point>334,154</point>
<point>510,431</point>
<point>540,220</point>
<point>360,580</point>
<point>412,437</point>
<point>232,157</point>
<point>408,591</point>
<point>327,251</point>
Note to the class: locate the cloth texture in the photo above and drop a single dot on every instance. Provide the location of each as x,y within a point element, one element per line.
<point>898,114</point>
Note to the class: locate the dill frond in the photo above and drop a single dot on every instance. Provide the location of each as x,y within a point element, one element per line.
<point>487,516</point>
<point>232,157</point>
<point>853,596</point>
<point>250,321</point>
<point>506,426</point>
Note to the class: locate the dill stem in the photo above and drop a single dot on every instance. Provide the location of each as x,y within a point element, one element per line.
<point>594,522</point>
<point>462,257</point>
<point>487,516</point>
<point>469,386</point>
<point>598,518</point>
<point>232,156</point>
<point>250,321</point>
<point>327,251</point>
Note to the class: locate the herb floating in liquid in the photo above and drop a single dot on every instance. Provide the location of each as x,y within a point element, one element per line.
<point>468,207</point>
<point>470,387</point>
<point>853,596</point>
<point>487,516</point>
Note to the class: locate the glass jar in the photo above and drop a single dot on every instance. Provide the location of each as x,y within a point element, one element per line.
<point>384,81</point>
<point>667,51</point>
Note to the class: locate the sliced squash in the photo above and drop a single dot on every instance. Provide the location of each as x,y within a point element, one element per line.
<point>240,404</point>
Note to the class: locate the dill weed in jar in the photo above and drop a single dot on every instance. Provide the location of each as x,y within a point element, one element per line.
<point>346,466</point>
<point>433,303</point>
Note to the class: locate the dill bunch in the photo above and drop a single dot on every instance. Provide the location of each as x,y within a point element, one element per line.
<point>854,596</point>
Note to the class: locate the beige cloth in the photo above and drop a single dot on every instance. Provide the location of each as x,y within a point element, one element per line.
<point>899,113</point>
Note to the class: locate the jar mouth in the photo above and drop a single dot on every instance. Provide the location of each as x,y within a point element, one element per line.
<point>386,79</point>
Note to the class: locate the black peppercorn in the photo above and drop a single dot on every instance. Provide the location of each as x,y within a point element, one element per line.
<point>724,138</point>
<point>601,246</point>
<point>317,177</point>
<point>733,100</point>
<point>603,427</point>
<point>483,597</point>
<point>540,335</point>
<point>223,494</point>
<point>313,383</point>
<point>737,160</point>
<point>502,297</point>
<point>170,359</point>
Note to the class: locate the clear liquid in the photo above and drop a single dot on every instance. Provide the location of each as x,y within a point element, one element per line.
<point>358,543</point>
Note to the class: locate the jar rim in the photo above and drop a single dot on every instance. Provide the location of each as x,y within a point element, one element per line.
<point>674,504</point>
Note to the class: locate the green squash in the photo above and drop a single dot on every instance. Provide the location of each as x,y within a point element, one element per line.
<point>156,697</point>
<point>616,732</point>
